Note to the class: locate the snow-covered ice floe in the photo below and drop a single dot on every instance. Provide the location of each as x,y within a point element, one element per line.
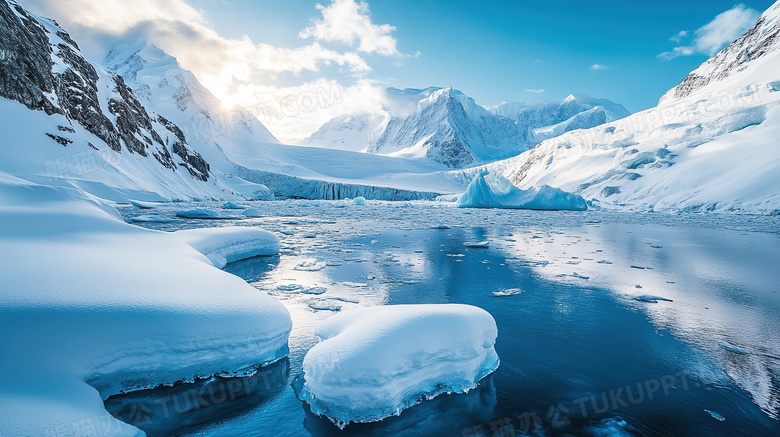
<point>375,362</point>
<point>491,190</point>
<point>203,214</point>
<point>224,245</point>
<point>92,307</point>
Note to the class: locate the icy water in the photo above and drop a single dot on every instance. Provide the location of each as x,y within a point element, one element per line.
<point>609,324</point>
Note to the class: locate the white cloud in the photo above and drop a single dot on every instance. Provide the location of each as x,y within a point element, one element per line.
<point>598,67</point>
<point>291,118</point>
<point>679,36</point>
<point>349,22</point>
<point>534,90</point>
<point>713,36</point>
<point>239,70</point>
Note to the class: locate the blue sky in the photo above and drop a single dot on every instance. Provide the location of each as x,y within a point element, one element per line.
<point>495,51</point>
<point>253,52</point>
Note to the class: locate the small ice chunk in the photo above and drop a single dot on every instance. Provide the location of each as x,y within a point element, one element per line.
<point>715,415</point>
<point>651,299</point>
<point>144,205</point>
<point>204,214</point>
<point>324,305</point>
<point>289,287</point>
<point>314,290</point>
<point>441,227</point>
<point>152,219</point>
<point>360,201</point>
<point>310,265</point>
<point>375,362</point>
<point>477,244</point>
<point>508,292</point>
<point>251,212</point>
<point>231,205</point>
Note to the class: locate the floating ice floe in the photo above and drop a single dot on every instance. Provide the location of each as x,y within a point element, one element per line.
<point>508,292</point>
<point>251,212</point>
<point>289,287</point>
<point>491,190</point>
<point>144,205</point>
<point>325,305</point>
<point>651,299</point>
<point>310,265</point>
<point>224,245</point>
<point>152,219</point>
<point>375,362</point>
<point>203,214</point>
<point>715,415</point>
<point>477,244</point>
<point>231,205</point>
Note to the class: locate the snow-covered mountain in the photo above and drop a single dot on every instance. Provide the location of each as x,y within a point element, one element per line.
<point>161,83</point>
<point>550,119</point>
<point>713,143</point>
<point>450,128</point>
<point>446,126</point>
<point>352,132</point>
<point>68,121</point>
<point>759,41</point>
<point>239,147</point>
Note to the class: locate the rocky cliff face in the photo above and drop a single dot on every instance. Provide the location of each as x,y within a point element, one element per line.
<point>42,68</point>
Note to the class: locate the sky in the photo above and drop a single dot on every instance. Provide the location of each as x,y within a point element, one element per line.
<point>250,52</point>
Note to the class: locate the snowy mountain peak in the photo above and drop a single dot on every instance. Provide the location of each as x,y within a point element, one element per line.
<point>745,56</point>
<point>161,83</point>
<point>86,105</point>
<point>447,126</point>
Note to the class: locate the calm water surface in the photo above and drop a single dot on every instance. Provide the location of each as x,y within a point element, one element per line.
<point>609,324</point>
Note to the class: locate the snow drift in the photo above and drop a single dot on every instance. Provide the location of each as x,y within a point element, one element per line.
<point>495,191</point>
<point>375,362</point>
<point>93,306</point>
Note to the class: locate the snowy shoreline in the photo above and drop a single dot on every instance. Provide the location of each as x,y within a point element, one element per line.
<point>92,300</point>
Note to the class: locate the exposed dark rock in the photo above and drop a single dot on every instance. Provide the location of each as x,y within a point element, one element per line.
<point>752,45</point>
<point>25,60</point>
<point>60,140</point>
<point>28,75</point>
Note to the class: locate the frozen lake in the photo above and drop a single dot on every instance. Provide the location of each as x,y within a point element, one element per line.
<point>609,323</point>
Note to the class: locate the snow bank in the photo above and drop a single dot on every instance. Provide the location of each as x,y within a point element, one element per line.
<point>491,190</point>
<point>96,306</point>
<point>375,362</point>
<point>224,245</point>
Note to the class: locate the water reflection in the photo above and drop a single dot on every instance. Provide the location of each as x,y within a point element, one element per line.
<point>253,269</point>
<point>443,415</point>
<point>170,410</point>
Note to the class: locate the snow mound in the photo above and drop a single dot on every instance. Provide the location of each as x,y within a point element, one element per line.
<point>491,190</point>
<point>224,245</point>
<point>97,307</point>
<point>375,362</point>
